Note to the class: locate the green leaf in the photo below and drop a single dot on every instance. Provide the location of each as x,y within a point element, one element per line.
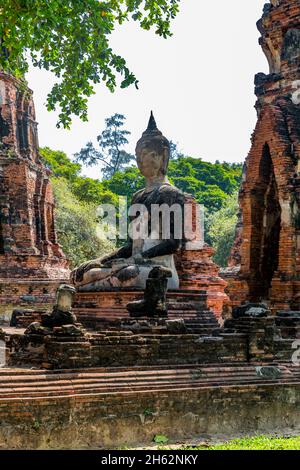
<point>160,439</point>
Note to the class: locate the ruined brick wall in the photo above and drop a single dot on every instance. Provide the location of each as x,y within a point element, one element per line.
<point>108,421</point>
<point>266,251</point>
<point>245,339</point>
<point>121,349</point>
<point>28,241</point>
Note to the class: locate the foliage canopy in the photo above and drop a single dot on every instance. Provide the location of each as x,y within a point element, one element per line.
<point>71,39</point>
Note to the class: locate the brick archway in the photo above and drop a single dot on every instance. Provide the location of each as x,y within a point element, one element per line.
<point>265,229</point>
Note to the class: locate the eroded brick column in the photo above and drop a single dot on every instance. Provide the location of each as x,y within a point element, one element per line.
<point>28,241</point>
<point>264,265</point>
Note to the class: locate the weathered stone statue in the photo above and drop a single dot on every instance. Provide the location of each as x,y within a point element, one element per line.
<point>62,311</point>
<point>155,296</point>
<point>131,264</point>
<point>61,321</point>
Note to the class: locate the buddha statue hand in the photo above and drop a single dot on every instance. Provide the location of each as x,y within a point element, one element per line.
<point>138,259</point>
<point>78,273</point>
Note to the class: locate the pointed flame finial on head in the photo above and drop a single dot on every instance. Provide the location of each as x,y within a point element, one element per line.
<point>152,124</point>
<point>152,127</point>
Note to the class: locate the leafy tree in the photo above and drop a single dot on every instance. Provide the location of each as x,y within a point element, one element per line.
<point>71,39</point>
<point>181,168</point>
<point>85,189</point>
<point>221,229</point>
<point>58,162</point>
<point>209,183</point>
<point>111,142</point>
<point>174,152</point>
<point>125,183</point>
<point>215,174</point>
<point>76,223</point>
<point>212,197</point>
<point>188,184</point>
<point>93,191</point>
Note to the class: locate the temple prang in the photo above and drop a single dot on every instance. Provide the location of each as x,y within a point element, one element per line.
<point>265,260</point>
<point>30,255</point>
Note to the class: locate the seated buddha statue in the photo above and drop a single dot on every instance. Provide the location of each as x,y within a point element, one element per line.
<point>130,265</point>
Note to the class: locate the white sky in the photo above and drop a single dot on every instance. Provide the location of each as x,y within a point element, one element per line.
<point>199,84</point>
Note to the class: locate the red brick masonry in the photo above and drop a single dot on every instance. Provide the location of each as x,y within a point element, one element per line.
<point>28,243</point>
<point>266,257</point>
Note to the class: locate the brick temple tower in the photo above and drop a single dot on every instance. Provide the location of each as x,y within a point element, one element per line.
<point>265,260</point>
<point>29,252</point>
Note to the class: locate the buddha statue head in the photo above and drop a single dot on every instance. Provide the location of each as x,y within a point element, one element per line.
<point>153,152</point>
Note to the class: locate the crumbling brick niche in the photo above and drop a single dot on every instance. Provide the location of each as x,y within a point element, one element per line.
<point>265,228</point>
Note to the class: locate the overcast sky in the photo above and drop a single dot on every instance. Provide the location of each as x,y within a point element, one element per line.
<point>199,84</point>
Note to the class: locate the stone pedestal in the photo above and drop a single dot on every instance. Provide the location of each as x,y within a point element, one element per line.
<point>95,308</point>
<point>65,352</point>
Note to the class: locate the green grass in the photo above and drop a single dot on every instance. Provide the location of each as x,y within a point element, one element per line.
<point>254,443</point>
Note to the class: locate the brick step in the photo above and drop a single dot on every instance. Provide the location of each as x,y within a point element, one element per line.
<point>288,321</point>
<point>146,381</point>
<point>187,307</point>
<point>89,300</point>
<point>204,324</point>
<point>107,381</point>
<point>137,375</point>
<point>285,342</point>
<point>110,317</point>
<point>106,323</point>
<point>200,321</point>
<point>146,387</point>
<point>197,307</point>
<point>201,331</point>
<point>120,311</point>
<point>97,320</point>
<point>201,317</point>
<point>121,370</point>
<point>289,328</point>
<point>84,382</point>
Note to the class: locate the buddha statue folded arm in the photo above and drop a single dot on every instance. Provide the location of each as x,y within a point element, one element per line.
<point>130,265</point>
<point>166,247</point>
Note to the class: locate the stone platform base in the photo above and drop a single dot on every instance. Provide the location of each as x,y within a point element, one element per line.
<point>144,343</point>
<point>111,305</point>
<point>120,407</point>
